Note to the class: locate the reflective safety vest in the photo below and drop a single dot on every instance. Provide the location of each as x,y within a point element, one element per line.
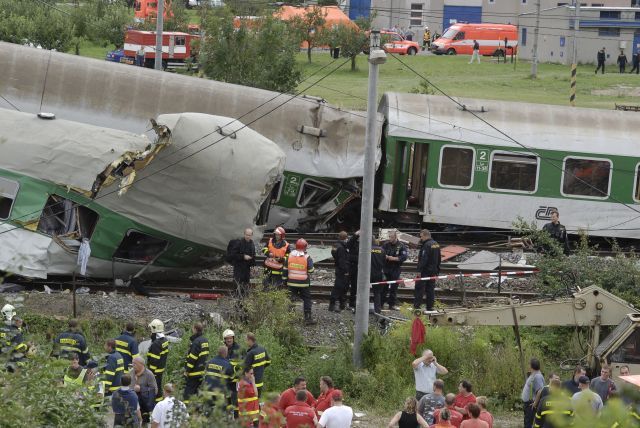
<point>68,380</point>
<point>275,262</point>
<point>297,271</point>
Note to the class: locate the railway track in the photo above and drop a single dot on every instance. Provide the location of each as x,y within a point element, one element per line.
<point>456,295</point>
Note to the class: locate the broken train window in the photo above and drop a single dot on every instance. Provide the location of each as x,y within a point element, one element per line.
<point>140,247</point>
<point>313,193</point>
<point>64,218</point>
<point>8,193</point>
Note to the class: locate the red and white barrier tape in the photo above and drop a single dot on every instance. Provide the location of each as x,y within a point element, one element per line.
<point>457,275</point>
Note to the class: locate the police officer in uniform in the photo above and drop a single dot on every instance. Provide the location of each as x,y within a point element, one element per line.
<point>557,231</point>
<point>377,264</point>
<point>71,341</point>
<point>12,345</point>
<point>195,364</point>
<point>127,345</point>
<point>157,355</point>
<point>298,267</point>
<point>256,358</point>
<point>276,251</point>
<point>395,254</point>
<point>341,259</point>
<point>428,265</point>
<point>353,247</point>
<point>218,378</point>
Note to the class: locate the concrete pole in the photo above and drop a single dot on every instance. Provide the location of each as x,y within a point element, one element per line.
<point>376,57</point>
<point>159,27</point>
<point>534,63</point>
<point>574,61</point>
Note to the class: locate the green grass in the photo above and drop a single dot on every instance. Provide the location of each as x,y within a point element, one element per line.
<point>93,50</point>
<point>456,77</point>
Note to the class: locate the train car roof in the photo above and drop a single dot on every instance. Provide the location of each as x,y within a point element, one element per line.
<point>125,97</point>
<point>536,126</point>
<point>60,151</point>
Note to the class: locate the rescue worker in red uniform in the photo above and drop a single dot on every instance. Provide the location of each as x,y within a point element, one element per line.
<point>248,406</point>
<point>276,251</point>
<point>297,269</point>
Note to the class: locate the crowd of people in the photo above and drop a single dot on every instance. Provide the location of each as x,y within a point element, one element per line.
<point>291,266</point>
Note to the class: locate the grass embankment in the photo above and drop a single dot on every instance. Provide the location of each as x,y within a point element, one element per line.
<point>456,77</point>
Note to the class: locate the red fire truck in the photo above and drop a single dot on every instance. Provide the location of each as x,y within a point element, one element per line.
<point>176,47</point>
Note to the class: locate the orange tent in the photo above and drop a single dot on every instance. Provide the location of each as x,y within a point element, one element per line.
<point>333,14</point>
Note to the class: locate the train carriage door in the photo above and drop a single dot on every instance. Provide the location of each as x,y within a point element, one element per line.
<point>410,177</point>
<point>418,176</point>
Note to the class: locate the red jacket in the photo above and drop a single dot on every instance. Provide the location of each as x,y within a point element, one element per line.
<point>288,398</point>
<point>324,400</point>
<point>271,417</point>
<point>300,415</point>
<point>456,416</point>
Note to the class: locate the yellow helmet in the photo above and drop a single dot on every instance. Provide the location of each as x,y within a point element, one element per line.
<point>156,326</point>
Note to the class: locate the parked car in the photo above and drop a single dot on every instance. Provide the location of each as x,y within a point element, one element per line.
<point>396,43</point>
<point>118,56</point>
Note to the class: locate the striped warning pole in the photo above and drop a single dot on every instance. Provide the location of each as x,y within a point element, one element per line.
<point>572,96</point>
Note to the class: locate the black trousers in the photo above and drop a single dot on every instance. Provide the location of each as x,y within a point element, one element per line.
<point>390,291</point>
<point>378,291</point>
<point>305,294</point>
<point>146,405</point>
<point>191,387</point>
<point>158,377</point>
<point>272,280</point>
<point>622,68</point>
<point>353,284</point>
<point>529,414</point>
<point>339,290</point>
<point>636,68</point>
<point>422,287</point>
<point>600,64</point>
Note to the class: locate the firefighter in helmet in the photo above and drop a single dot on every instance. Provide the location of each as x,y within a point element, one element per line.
<point>276,251</point>
<point>12,345</point>
<point>298,267</point>
<point>157,354</point>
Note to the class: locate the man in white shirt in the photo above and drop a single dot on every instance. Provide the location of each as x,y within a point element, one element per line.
<point>169,412</point>
<point>338,415</point>
<point>425,371</point>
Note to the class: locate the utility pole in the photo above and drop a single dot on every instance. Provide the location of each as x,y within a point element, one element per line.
<point>391,14</point>
<point>159,26</point>
<point>534,63</point>
<point>376,57</point>
<point>574,62</point>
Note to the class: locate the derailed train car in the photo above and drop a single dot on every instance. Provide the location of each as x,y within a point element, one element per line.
<point>324,145</point>
<point>113,204</point>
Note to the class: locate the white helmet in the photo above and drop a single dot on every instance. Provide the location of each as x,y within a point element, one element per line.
<point>156,326</point>
<point>8,312</point>
<point>228,333</point>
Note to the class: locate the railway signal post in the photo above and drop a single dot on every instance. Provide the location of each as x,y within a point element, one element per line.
<point>376,57</point>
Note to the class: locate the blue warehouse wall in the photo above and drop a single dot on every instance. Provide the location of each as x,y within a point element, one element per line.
<point>359,8</point>
<point>454,14</point>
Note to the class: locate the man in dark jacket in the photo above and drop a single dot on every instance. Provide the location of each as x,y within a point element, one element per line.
<point>622,61</point>
<point>218,379</point>
<point>353,247</point>
<point>395,254</point>
<point>635,60</point>
<point>113,370</point>
<point>601,58</point>
<point>554,409</point>
<point>377,265</point>
<point>242,255</point>
<point>124,403</point>
<point>428,265</point>
<point>258,359</point>
<point>340,257</point>
<point>195,364</point>
<point>71,341</point>
<point>157,354</point>
<point>557,231</point>
<point>127,345</point>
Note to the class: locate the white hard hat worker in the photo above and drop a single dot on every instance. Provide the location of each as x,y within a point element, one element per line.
<point>8,312</point>
<point>228,333</point>
<point>279,231</point>
<point>156,326</point>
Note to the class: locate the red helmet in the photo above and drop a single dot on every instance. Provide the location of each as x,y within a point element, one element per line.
<point>279,230</point>
<point>301,245</point>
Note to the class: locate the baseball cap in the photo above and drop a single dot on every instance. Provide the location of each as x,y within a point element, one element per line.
<point>584,380</point>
